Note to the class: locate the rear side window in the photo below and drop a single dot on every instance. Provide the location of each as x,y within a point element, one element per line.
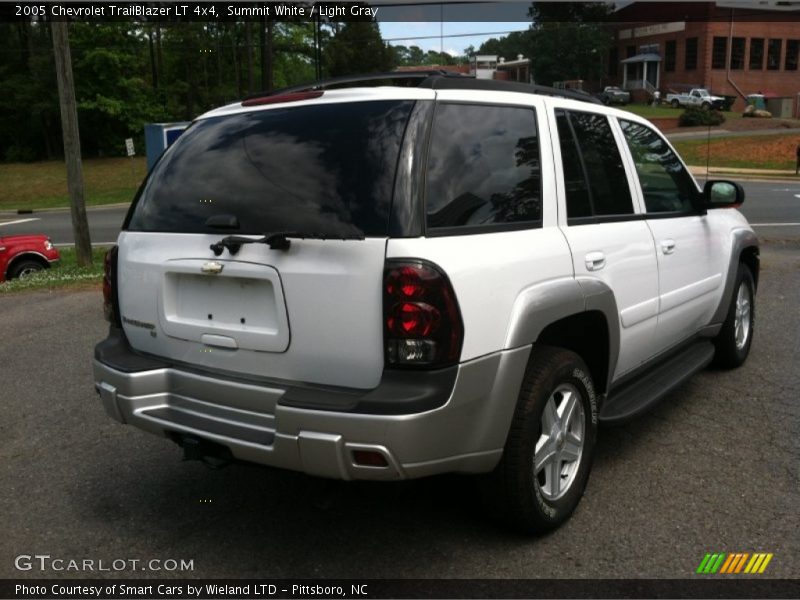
<point>594,177</point>
<point>666,185</point>
<point>483,168</point>
<point>325,169</point>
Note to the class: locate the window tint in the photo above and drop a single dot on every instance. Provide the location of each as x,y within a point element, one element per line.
<point>483,167</point>
<point>774,54</point>
<point>669,55</point>
<point>690,62</point>
<point>756,54</point>
<point>327,168</point>
<point>719,53</point>
<point>737,53</point>
<point>595,180</point>
<point>666,185</point>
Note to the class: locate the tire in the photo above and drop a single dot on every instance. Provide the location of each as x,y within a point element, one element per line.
<point>736,336</point>
<point>558,393</point>
<point>705,106</point>
<point>675,104</point>
<point>24,267</point>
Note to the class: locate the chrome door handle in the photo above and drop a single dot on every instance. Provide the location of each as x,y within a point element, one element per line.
<point>595,261</point>
<point>668,246</point>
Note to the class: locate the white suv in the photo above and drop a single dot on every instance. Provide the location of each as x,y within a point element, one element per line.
<point>398,281</point>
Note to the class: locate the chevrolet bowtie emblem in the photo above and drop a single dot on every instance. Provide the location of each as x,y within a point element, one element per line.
<point>212,267</point>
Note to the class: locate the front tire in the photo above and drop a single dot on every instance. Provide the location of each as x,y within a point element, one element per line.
<point>24,267</point>
<point>734,339</point>
<point>548,454</point>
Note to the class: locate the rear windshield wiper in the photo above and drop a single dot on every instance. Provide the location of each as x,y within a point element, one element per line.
<point>276,241</point>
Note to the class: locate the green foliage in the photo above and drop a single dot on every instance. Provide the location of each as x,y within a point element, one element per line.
<point>358,48</point>
<point>130,73</point>
<point>517,42</point>
<point>692,117</point>
<point>569,41</point>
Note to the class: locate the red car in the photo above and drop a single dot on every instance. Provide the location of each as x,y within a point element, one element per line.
<point>21,255</point>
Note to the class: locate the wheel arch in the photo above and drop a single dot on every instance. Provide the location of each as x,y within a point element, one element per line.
<point>26,255</point>
<point>576,314</point>
<point>744,250</point>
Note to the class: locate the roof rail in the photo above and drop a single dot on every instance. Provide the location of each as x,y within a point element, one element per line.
<point>508,86</point>
<point>352,80</point>
<point>433,79</point>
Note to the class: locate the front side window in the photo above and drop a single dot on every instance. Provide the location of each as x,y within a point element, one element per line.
<point>483,167</point>
<point>594,177</point>
<point>666,185</point>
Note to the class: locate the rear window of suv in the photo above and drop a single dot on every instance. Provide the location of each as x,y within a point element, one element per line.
<point>327,169</point>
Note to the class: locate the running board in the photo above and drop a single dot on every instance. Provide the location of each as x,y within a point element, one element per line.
<point>638,396</point>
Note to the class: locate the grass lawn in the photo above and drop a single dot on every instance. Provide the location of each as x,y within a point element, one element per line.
<point>751,152</point>
<point>44,184</point>
<point>65,273</point>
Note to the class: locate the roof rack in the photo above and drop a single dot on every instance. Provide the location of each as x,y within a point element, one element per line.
<point>408,77</point>
<point>433,79</point>
<point>508,86</point>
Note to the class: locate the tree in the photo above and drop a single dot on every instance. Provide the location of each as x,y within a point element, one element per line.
<point>72,144</point>
<point>569,40</point>
<point>358,48</point>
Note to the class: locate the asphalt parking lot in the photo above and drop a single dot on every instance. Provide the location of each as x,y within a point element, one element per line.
<point>714,468</point>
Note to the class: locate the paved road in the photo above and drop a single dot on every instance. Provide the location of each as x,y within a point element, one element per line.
<point>770,206</point>
<point>715,467</point>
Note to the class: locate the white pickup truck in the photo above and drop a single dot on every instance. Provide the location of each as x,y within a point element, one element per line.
<point>697,97</point>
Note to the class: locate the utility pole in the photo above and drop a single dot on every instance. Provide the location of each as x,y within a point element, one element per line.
<point>72,143</point>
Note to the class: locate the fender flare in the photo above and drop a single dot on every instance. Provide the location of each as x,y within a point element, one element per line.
<point>542,304</point>
<point>741,239</point>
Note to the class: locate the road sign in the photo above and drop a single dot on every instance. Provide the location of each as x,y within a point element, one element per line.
<point>129,147</point>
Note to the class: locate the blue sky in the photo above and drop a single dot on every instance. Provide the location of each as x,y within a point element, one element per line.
<point>455,35</point>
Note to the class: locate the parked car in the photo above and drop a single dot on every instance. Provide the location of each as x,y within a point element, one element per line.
<point>698,98</point>
<point>615,95</point>
<point>394,282</point>
<point>21,255</point>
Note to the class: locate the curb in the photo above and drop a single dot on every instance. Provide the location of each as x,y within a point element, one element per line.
<point>30,211</point>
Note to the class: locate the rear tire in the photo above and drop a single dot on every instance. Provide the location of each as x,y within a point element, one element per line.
<point>675,104</point>
<point>734,339</point>
<point>550,446</point>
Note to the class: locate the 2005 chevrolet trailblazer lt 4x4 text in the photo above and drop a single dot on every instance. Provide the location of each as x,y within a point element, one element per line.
<point>397,281</point>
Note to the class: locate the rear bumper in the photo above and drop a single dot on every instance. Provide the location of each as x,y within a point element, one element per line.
<point>316,431</point>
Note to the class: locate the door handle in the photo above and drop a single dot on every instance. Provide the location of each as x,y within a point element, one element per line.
<point>595,261</point>
<point>668,246</point>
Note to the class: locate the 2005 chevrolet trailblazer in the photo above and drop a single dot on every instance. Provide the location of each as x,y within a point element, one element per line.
<point>398,281</point>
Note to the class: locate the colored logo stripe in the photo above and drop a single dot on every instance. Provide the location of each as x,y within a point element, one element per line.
<point>734,563</point>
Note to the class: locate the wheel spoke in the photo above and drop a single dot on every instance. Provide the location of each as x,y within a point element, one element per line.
<point>571,450</point>
<point>549,415</point>
<point>543,457</point>
<point>568,407</point>
<point>554,476</point>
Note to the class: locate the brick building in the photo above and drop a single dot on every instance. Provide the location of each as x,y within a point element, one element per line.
<point>727,47</point>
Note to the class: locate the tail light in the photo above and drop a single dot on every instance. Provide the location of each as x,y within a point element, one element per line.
<point>422,324</point>
<point>110,301</point>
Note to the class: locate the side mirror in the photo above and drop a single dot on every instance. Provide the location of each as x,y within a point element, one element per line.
<point>722,194</point>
